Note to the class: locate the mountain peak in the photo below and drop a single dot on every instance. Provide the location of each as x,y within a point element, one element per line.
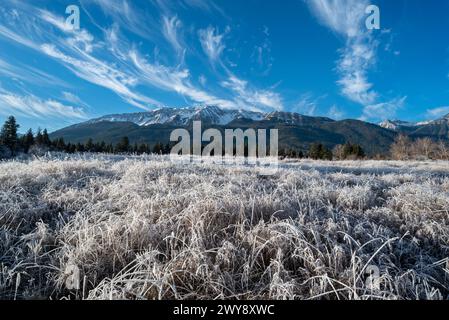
<point>397,124</point>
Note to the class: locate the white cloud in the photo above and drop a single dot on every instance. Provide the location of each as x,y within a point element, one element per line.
<point>11,35</point>
<point>255,98</point>
<point>174,80</point>
<point>205,5</point>
<point>79,38</point>
<point>202,80</point>
<point>127,15</point>
<point>170,29</point>
<point>262,54</point>
<point>343,17</point>
<point>114,63</point>
<point>74,51</point>
<point>346,18</point>
<point>56,21</point>
<point>356,59</point>
<point>335,113</point>
<point>101,74</point>
<point>29,74</point>
<point>32,106</point>
<point>212,43</point>
<point>383,111</point>
<point>438,112</point>
<point>306,106</point>
<point>73,98</point>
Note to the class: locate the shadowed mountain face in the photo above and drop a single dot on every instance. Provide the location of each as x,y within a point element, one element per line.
<point>436,129</point>
<point>295,131</point>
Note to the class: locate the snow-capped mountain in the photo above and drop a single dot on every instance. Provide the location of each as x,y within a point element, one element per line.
<point>442,120</point>
<point>397,124</point>
<point>210,115</point>
<point>292,118</point>
<point>183,116</point>
<point>295,130</point>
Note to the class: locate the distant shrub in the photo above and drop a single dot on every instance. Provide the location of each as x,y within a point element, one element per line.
<point>318,151</point>
<point>348,151</point>
<point>38,150</point>
<point>5,152</point>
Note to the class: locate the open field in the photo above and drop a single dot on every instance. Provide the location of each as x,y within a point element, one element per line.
<point>146,228</point>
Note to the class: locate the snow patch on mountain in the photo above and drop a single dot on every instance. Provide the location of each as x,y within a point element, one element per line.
<point>183,116</point>
<point>397,124</point>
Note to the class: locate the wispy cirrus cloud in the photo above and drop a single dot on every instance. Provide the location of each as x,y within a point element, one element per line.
<point>306,105</point>
<point>335,113</point>
<point>127,15</point>
<point>437,112</point>
<point>174,80</point>
<point>207,6</point>
<point>116,63</point>
<point>102,74</point>
<point>78,38</point>
<point>74,50</point>
<point>31,106</point>
<point>170,28</point>
<point>29,74</point>
<point>383,111</point>
<point>357,57</point>
<point>245,95</point>
<point>212,43</point>
<point>342,17</point>
<point>73,98</point>
<point>346,19</point>
<point>257,99</point>
<point>262,55</point>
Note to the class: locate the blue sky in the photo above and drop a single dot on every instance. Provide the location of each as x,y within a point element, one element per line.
<point>314,57</point>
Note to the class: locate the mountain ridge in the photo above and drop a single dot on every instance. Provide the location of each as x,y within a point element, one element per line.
<point>295,130</point>
<point>210,114</point>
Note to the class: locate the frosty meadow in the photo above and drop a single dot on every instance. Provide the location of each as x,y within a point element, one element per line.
<point>313,230</point>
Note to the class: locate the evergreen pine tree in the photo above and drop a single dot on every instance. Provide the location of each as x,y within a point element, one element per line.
<point>39,138</point>
<point>60,144</point>
<point>8,134</point>
<point>28,140</point>
<point>90,145</point>
<point>158,148</point>
<point>123,145</point>
<point>45,138</point>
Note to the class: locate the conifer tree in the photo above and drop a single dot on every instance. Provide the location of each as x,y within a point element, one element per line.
<point>8,134</point>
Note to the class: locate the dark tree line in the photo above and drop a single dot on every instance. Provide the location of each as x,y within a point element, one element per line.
<point>122,147</point>
<point>319,151</point>
<point>11,144</point>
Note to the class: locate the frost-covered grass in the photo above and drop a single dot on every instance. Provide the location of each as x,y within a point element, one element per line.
<point>146,228</point>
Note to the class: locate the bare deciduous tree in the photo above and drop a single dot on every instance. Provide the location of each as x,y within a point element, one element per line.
<point>401,148</point>
<point>339,152</point>
<point>423,148</point>
<point>442,150</point>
